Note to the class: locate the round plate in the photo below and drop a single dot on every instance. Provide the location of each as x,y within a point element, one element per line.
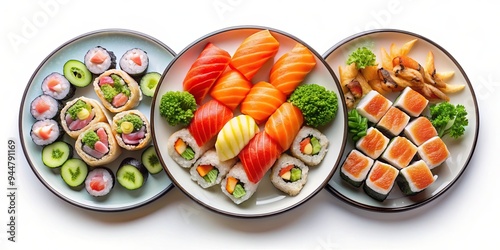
<point>117,41</point>
<point>461,150</point>
<point>267,200</point>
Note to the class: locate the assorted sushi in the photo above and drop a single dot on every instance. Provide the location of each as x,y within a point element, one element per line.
<point>209,169</point>
<point>373,106</point>
<point>117,90</point>
<point>355,168</point>
<point>399,152</point>
<point>131,129</point>
<point>99,59</point>
<point>234,136</point>
<point>380,180</point>
<point>134,62</point>
<point>289,174</point>
<point>183,148</point>
<point>79,114</point>
<point>99,181</point>
<point>45,107</point>
<point>45,132</point>
<point>415,178</point>
<point>237,186</point>
<point>57,86</point>
<point>97,145</point>
<point>310,146</point>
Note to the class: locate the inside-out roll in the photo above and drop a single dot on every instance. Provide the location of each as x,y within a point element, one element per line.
<point>183,149</point>
<point>289,174</point>
<point>97,145</point>
<point>79,114</point>
<point>310,146</point>
<point>208,170</point>
<point>131,129</point>
<point>117,90</point>
<point>236,185</point>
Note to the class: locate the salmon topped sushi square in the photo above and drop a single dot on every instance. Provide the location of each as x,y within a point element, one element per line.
<point>399,152</point>
<point>394,121</point>
<point>373,106</point>
<point>380,180</point>
<point>355,168</point>
<point>434,152</point>
<point>420,130</point>
<point>415,178</point>
<point>373,143</point>
<point>411,102</point>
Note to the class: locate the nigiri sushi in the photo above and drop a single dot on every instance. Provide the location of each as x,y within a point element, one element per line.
<point>415,178</point>
<point>393,122</point>
<point>373,143</point>
<point>380,180</point>
<point>261,102</point>
<point>259,155</point>
<point>284,124</point>
<point>433,152</point>
<point>234,136</point>
<point>355,168</point>
<point>420,130</point>
<point>208,120</point>
<point>231,88</point>
<point>373,106</point>
<point>399,152</point>
<point>411,102</point>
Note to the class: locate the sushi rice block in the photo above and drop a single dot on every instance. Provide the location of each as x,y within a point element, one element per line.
<point>310,146</point>
<point>399,152</point>
<point>237,186</point>
<point>433,152</point>
<point>415,178</point>
<point>355,168</point>
<point>411,102</point>
<point>380,180</point>
<point>373,106</point>
<point>420,130</point>
<point>289,174</point>
<point>209,170</point>
<point>373,143</point>
<point>394,121</point>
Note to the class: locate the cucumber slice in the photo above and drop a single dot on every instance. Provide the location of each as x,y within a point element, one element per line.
<point>149,82</point>
<point>150,160</point>
<point>74,171</point>
<point>77,73</point>
<point>55,154</point>
<point>131,174</point>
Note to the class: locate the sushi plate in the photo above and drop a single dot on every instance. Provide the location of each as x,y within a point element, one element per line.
<point>461,149</point>
<point>267,200</point>
<point>118,41</point>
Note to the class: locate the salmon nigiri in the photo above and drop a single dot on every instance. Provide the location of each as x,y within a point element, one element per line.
<point>208,120</point>
<point>205,70</point>
<point>253,52</point>
<point>291,68</point>
<point>261,102</point>
<point>284,124</point>
<point>231,88</point>
<point>259,155</point>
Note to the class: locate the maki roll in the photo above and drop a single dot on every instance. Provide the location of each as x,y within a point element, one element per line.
<point>131,129</point>
<point>420,130</point>
<point>411,102</point>
<point>79,114</point>
<point>45,107</point>
<point>98,59</point>
<point>236,185</point>
<point>399,152</point>
<point>433,152</point>
<point>99,181</point>
<point>355,168</point>
<point>380,180</point>
<point>373,143</point>
<point>310,146</point>
<point>131,174</point>
<point>209,170</point>
<point>234,136</point>
<point>134,61</point>
<point>373,106</point>
<point>74,171</point>
<point>415,178</point>
<point>58,87</point>
<point>289,174</point>
<point>117,90</point>
<point>393,122</point>
<point>45,132</point>
<point>97,145</point>
<point>183,149</point>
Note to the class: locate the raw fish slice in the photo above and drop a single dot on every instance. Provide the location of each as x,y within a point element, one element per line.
<point>261,102</point>
<point>205,70</point>
<point>291,68</point>
<point>208,120</point>
<point>231,88</point>
<point>284,124</point>
<point>259,155</point>
<point>253,52</point>
<point>234,136</point>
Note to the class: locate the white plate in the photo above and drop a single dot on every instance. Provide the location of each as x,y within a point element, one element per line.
<point>461,150</point>
<point>118,41</point>
<point>267,200</point>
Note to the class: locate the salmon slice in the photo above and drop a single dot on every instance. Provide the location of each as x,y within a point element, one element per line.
<point>208,120</point>
<point>259,155</point>
<point>411,102</point>
<point>99,57</point>
<point>231,88</point>
<point>284,124</point>
<point>399,152</point>
<point>394,121</point>
<point>261,102</point>
<point>254,52</point>
<point>119,100</point>
<point>420,130</point>
<point>434,152</point>
<point>373,106</point>
<point>373,143</point>
<point>380,180</point>
<point>291,68</point>
<point>415,178</point>
<point>355,167</point>
<point>42,106</point>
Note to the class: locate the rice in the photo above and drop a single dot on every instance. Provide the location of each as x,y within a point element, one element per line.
<point>186,136</point>
<point>53,110</point>
<point>238,172</point>
<point>210,158</point>
<point>40,129</point>
<point>310,160</point>
<point>291,188</point>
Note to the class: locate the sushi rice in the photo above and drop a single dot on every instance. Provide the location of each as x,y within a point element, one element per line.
<point>210,158</point>
<point>310,160</point>
<point>238,172</point>
<point>291,188</point>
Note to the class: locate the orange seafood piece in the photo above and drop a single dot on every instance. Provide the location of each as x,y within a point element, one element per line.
<point>433,152</point>
<point>399,152</point>
<point>411,102</point>
<point>208,120</point>
<point>261,102</point>
<point>373,106</point>
<point>373,143</point>
<point>231,88</point>
<point>394,121</point>
<point>420,130</point>
<point>284,124</point>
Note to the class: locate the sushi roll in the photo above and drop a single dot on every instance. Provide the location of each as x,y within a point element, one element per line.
<point>58,87</point>
<point>99,181</point>
<point>393,122</point>
<point>237,186</point>
<point>373,143</point>
<point>131,174</point>
<point>355,168</point>
<point>183,149</point>
<point>380,180</point>
<point>97,145</point>
<point>209,170</point>
<point>131,129</point>
<point>234,136</point>
<point>45,132</point>
<point>411,102</point>
<point>415,178</point>
<point>289,174</point>
<point>98,59</point>
<point>399,152</point>
<point>117,90</point>
<point>373,106</point>
<point>433,152</point>
<point>45,107</point>
<point>310,146</point>
<point>79,114</point>
<point>135,62</point>
<point>420,130</point>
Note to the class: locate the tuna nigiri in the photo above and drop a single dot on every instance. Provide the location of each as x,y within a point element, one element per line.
<point>284,124</point>
<point>262,100</point>
<point>259,155</point>
<point>205,70</point>
<point>231,88</point>
<point>253,52</point>
<point>208,120</point>
<point>291,68</point>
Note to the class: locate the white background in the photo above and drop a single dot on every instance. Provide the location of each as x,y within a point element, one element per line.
<point>467,216</point>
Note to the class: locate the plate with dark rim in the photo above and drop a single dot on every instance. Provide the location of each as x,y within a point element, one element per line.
<point>461,149</point>
<point>118,41</point>
<point>267,200</point>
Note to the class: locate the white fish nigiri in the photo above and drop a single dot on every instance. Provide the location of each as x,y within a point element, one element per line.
<point>234,136</point>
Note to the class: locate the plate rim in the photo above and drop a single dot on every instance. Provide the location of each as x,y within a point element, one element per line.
<point>363,206</point>
<point>22,106</point>
<point>340,97</point>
